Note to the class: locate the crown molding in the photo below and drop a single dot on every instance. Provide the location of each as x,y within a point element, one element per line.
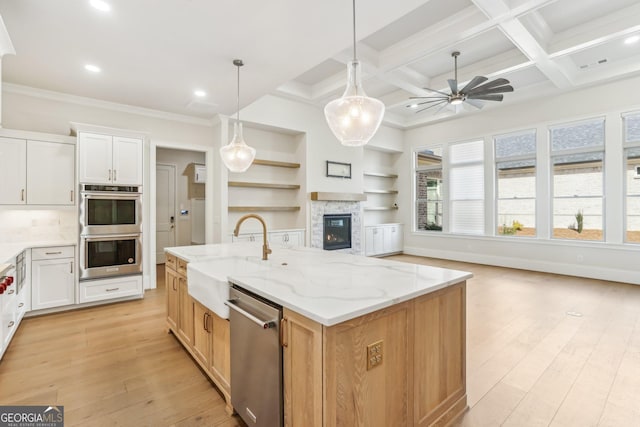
<point>106,105</point>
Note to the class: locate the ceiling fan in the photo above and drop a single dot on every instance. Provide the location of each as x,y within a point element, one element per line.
<point>473,93</point>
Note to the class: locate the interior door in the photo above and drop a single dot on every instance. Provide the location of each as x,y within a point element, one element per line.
<point>165,209</point>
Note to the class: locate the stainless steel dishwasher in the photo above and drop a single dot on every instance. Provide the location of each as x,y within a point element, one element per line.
<point>256,358</point>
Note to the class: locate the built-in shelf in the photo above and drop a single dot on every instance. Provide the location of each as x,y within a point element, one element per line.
<point>263,208</point>
<point>381,175</point>
<point>275,163</point>
<point>381,208</point>
<point>263,185</point>
<point>381,191</point>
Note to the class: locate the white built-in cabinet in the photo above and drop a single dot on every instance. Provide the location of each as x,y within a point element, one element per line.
<point>50,173</point>
<point>37,172</point>
<point>13,164</point>
<point>107,159</point>
<point>276,238</point>
<point>53,273</point>
<point>383,239</point>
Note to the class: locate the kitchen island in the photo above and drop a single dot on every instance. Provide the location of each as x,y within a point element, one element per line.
<point>366,342</point>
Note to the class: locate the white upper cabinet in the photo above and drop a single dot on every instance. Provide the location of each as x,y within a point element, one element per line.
<point>37,171</point>
<point>50,173</point>
<point>13,164</point>
<point>95,158</point>
<point>127,161</point>
<point>106,159</point>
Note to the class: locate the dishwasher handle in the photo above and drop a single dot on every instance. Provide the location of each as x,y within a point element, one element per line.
<point>264,324</point>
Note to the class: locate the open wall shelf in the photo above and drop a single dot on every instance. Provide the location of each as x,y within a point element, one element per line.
<point>274,163</point>
<point>381,174</point>
<point>263,185</point>
<point>371,191</point>
<point>264,208</point>
<point>381,208</point>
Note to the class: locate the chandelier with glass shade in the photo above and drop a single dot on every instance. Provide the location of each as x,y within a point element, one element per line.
<point>237,156</point>
<point>354,118</point>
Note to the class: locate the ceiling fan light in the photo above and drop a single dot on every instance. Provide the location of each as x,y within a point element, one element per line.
<point>354,118</point>
<point>456,101</point>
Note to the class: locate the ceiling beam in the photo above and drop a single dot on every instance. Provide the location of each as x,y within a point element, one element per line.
<point>525,41</point>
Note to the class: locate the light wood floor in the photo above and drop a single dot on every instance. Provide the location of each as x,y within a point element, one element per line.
<point>529,363</point>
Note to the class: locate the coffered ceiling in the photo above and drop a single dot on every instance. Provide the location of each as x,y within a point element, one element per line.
<point>155,54</point>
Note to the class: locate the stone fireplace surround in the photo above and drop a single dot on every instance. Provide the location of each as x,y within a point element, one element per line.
<point>321,207</point>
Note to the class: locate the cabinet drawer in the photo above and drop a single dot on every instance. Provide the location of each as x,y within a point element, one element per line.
<point>99,290</point>
<point>171,262</point>
<point>53,252</point>
<point>182,266</point>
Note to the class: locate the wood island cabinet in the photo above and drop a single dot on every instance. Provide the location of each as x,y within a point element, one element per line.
<point>202,333</point>
<point>334,377</point>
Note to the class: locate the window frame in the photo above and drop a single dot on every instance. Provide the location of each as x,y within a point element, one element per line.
<point>627,145</point>
<point>553,154</point>
<point>523,157</point>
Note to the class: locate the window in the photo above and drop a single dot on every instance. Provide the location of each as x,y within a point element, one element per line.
<point>632,177</point>
<point>577,153</point>
<point>515,155</point>
<point>466,194</point>
<point>429,204</point>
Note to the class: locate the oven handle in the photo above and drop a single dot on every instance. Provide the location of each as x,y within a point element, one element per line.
<point>111,196</point>
<point>264,324</point>
<point>102,237</point>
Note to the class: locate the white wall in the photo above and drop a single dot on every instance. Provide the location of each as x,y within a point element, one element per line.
<point>322,145</point>
<point>610,260</point>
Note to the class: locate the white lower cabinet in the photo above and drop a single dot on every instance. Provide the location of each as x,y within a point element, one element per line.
<point>286,238</point>
<point>53,273</point>
<point>105,289</point>
<point>383,239</point>
<point>278,238</point>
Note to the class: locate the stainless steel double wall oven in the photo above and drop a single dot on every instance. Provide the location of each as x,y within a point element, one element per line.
<point>110,231</point>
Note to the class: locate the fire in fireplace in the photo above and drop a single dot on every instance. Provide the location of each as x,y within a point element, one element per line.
<point>336,232</point>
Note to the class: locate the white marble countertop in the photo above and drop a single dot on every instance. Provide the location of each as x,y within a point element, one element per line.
<point>325,286</point>
<point>10,250</point>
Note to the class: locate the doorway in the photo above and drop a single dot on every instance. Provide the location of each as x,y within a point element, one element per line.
<point>165,209</point>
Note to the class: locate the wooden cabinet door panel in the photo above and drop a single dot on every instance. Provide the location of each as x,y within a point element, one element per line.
<point>50,173</point>
<point>185,312</point>
<point>220,352</point>
<point>201,333</point>
<point>171,282</point>
<point>127,161</point>
<point>95,154</point>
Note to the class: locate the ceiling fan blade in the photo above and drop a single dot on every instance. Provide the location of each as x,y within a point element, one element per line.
<point>486,97</point>
<point>429,97</point>
<point>433,105</point>
<point>453,85</point>
<point>474,103</point>
<point>414,105</point>
<point>477,80</point>
<point>441,108</point>
<point>436,91</point>
<point>492,84</point>
<point>499,89</point>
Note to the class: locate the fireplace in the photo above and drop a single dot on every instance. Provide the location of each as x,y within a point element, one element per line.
<point>336,232</point>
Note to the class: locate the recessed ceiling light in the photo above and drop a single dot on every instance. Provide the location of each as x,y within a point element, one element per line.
<point>92,68</point>
<point>413,106</point>
<point>632,39</point>
<point>200,93</point>
<point>100,5</point>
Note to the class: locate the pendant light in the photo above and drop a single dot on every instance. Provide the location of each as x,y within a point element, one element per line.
<point>237,155</point>
<point>354,118</point>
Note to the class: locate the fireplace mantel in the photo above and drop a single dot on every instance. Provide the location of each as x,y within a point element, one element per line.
<point>337,197</point>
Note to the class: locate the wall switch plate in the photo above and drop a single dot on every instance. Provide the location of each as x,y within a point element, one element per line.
<point>374,354</point>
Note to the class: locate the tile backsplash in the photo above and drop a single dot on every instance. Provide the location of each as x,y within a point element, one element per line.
<point>22,225</point>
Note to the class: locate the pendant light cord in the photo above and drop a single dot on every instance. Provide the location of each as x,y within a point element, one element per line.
<point>238,98</point>
<point>354,31</point>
